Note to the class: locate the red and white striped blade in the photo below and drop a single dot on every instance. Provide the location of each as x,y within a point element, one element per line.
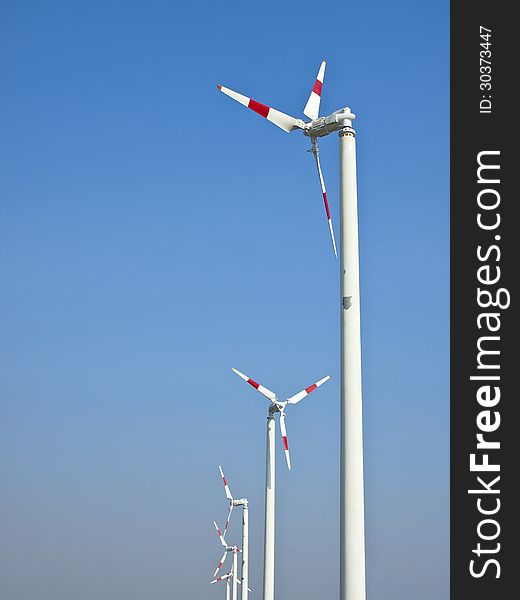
<point>227,520</point>
<point>300,395</point>
<point>285,441</point>
<point>222,561</point>
<point>263,390</point>
<point>285,122</point>
<point>223,578</point>
<point>325,201</point>
<point>219,533</point>
<point>226,487</point>
<point>312,108</point>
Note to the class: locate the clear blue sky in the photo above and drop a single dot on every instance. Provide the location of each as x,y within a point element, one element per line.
<point>154,234</point>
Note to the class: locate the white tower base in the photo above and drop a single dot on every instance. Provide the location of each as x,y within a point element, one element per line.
<point>245,550</point>
<point>269,510</point>
<point>352,511</point>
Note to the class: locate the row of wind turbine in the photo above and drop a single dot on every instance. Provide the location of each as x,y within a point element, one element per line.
<point>352,550</point>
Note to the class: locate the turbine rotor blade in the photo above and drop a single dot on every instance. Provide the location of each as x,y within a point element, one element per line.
<point>316,152</point>
<point>312,108</point>
<point>226,487</point>
<point>222,578</point>
<point>222,561</point>
<point>285,122</point>
<point>300,395</point>
<point>263,390</point>
<point>227,520</point>
<point>221,537</point>
<point>285,441</point>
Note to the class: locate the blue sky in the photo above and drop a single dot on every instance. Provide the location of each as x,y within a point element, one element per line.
<point>154,234</point>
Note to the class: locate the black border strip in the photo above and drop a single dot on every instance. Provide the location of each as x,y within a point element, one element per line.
<point>473,132</point>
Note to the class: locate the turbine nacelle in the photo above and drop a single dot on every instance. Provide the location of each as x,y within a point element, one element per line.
<point>323,126</point>
<point>241,502</point>
<point>277,406</point>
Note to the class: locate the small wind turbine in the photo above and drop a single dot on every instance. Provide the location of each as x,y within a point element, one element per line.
<point>276,406</point>
<point>234,550</point>
<point>227,579</point>
<point>352,511</point>
<point>245,533</point>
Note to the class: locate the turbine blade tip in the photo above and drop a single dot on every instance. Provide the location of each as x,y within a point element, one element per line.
<point>219,87</point>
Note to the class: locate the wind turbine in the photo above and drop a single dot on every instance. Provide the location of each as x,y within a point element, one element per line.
<point>245,532</point>
<point>352,512</point>
<point>227,578</point>
<point>276,406</point>
<point>317,127</point>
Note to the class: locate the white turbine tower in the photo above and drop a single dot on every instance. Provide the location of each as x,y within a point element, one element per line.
<point>276,406</point>
<point>352,512</point>
<point>245,532</point>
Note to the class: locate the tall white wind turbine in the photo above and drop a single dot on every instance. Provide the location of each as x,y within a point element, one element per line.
<point>276,406</point>
<point>352,512</point>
